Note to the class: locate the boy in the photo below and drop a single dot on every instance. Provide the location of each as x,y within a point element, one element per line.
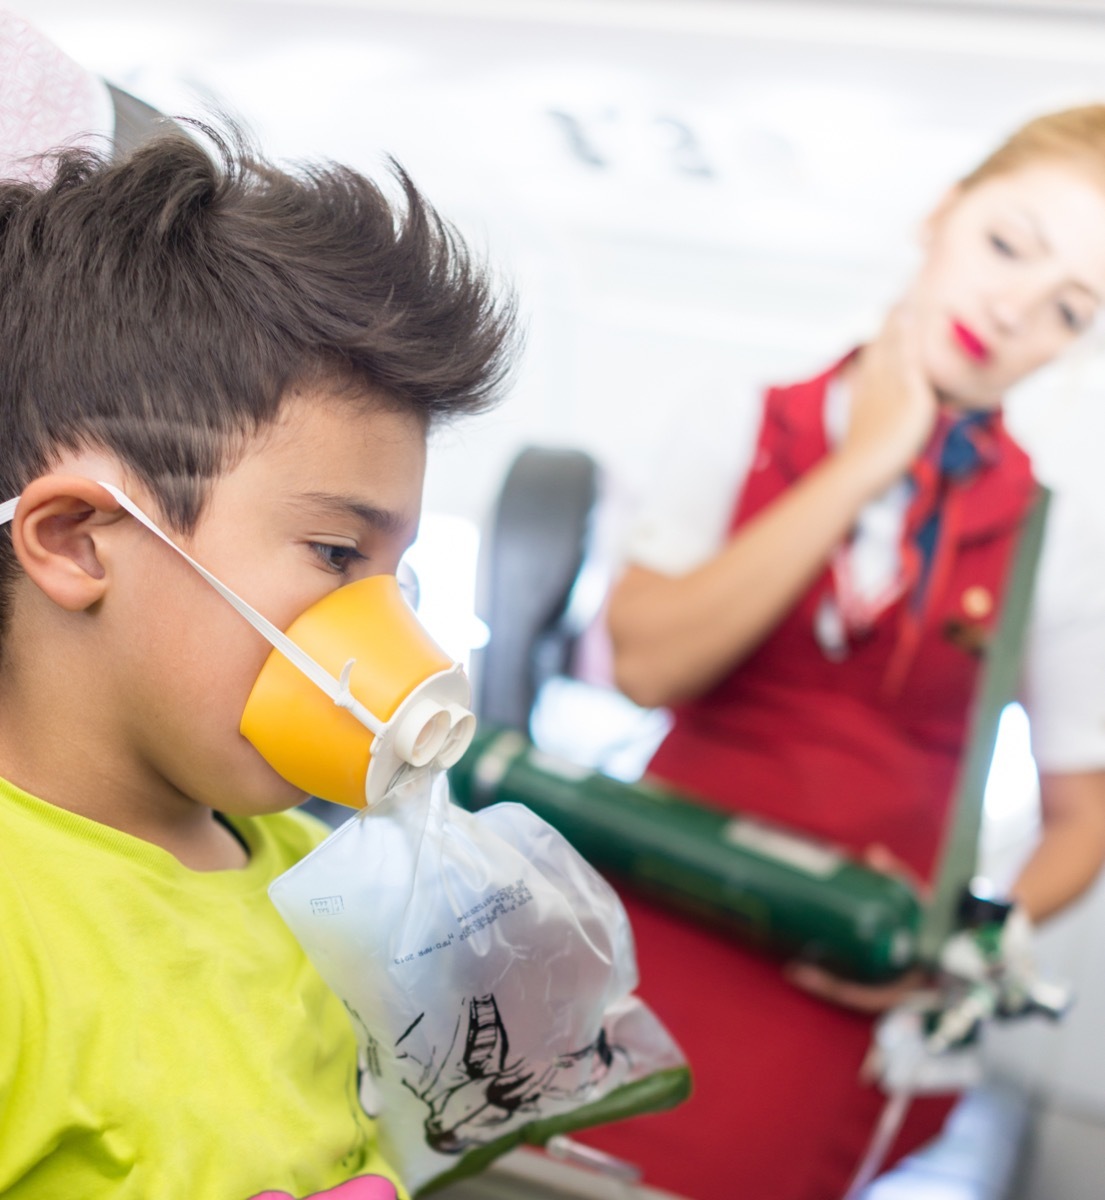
<point>255,360</point>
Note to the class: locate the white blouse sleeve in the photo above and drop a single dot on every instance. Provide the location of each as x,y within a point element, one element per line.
<point>694,485</point>
<point>1065,652</point>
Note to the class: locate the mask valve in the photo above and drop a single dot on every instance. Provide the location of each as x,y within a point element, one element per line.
<point>420,732</point>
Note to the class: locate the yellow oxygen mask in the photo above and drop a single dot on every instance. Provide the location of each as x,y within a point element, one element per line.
<point>401,705</point>
<point>355,696</point>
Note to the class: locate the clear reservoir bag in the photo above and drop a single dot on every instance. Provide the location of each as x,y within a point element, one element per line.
<point>489,972</point>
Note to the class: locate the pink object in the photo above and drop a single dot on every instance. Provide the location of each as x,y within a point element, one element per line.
<point>364,1187</point>
<point>46,100</point>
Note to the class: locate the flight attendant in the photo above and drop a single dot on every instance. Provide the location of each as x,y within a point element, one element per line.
<point>811,592</point>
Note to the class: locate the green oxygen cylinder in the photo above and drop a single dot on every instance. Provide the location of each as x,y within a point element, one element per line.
<point>766,885</point>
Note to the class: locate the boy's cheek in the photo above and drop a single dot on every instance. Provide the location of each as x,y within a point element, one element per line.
<point>236,780</point>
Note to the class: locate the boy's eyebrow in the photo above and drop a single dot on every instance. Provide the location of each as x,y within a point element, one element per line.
<point>386,520</point>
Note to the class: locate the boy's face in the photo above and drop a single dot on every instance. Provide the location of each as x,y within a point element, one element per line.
<point>329,494</point>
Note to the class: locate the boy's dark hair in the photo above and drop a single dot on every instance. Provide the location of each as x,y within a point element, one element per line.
<point>162,306</point>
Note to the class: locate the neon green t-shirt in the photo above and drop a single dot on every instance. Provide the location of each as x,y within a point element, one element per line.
<point>162,1035</point>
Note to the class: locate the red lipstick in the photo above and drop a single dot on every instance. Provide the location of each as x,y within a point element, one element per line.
<point>970,342</point>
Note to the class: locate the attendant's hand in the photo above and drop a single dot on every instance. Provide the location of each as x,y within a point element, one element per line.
<point>865,997</point>
<point>860,997</point>
<point>893,408</point>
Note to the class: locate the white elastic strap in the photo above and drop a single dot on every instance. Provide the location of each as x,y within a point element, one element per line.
<point>889,1125</point>
<point>337,690</point>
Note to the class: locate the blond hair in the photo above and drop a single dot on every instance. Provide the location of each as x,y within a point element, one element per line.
<point>1072,135</point>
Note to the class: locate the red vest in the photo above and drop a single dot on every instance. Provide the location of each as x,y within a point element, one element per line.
<point>862,749</point>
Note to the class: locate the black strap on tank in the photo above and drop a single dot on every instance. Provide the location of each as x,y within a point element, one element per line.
<point>996,688</point>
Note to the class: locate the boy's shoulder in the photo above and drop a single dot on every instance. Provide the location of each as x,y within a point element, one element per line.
<point>40,842</point>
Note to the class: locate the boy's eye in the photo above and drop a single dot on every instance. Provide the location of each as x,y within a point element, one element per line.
<point>337,558</point>
<point>1004,248</point>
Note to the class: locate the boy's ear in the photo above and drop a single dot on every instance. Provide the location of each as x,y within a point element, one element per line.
<point>54,534</point>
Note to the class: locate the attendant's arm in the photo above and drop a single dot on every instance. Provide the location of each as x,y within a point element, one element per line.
<point>1064,695</point>
<point>675,636</point>
<point>1071,850</point>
